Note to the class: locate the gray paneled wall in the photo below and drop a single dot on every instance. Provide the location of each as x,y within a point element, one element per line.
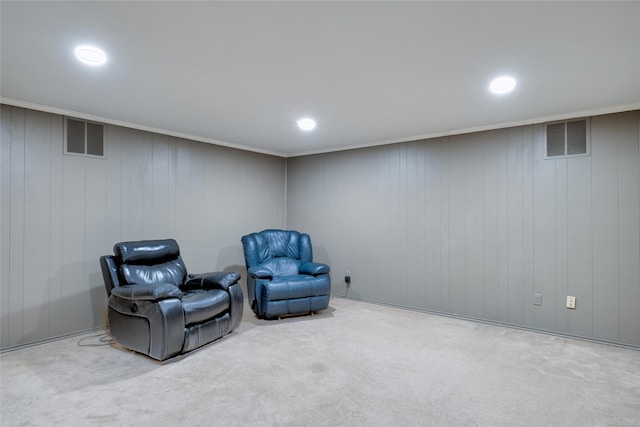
<point>476,224</point>
<point>472,225</point>
<point>59,213</point>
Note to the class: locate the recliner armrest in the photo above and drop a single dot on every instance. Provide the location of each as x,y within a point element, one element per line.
<point>260,272</point>
<point>147,292</point>
<point>314,268</point>
<point>215,280</point>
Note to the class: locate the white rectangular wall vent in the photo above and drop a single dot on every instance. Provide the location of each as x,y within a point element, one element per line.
<point>567,139</point>
<point>83,137</point>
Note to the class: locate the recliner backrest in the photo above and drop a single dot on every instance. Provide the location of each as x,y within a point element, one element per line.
<point>267,244</point>
<point>150,262</point>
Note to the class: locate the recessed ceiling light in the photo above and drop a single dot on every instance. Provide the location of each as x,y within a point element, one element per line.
<point>306,124</point>
<point>91,55</point>
<point>502,85</point>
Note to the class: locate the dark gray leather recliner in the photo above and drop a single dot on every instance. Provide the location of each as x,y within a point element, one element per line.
<point>157,309</point>
<point>282,278</point>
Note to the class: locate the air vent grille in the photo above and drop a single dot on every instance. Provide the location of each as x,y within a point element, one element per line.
<point>567,139</point>
<point>84,138</point>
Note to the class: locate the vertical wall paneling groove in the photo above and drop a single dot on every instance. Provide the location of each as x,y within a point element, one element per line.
<point>5,221</point>
<point>432,260</point>
<point>171,210</point>
<point>56,309</point>
<point>476,224</point>
<point>544,229</point>
<point>419,274</point>
<point>503,245</point>
<point>528,235</point>
<point>629,219</point>
<point>183,189</point>
<point>489,160</point>
<point>474,227</point>
<point>95,240</point>
<point>74,296</point>
<point>17,218</point>
<point>606,233</point>
<point>36,224</point>
<point>444,237</point>
<point>457,250</point>
<point>160,191</point>
<point>149,216</point>
<point>397,205</point>
<point>60,213</point>
<point>384,206</point>
<point>561,251</point>
<point>515,225</point>
<point>580,277</point>
<point>113,186</point>
<point>412,217</point>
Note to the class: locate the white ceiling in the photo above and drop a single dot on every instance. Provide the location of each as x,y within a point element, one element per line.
<point>242,73</point>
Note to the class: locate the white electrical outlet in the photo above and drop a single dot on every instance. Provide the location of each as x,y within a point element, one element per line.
<point>571,302</point>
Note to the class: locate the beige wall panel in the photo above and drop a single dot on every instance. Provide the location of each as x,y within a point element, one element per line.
<point>629,208</point>
<point>580,241</point>
<point>398,240</point>
<point>503,229</point>
<point>119,188</point>
<point>74,297</point>
<point>489,160</point>
<point>606,233</point>
<point>470,225</point>
<point>430,193</point>
<point>57,310</point>
<point>183,190</point>
<point>412,234</point>
<point>474,226</point>
<point>544,227</point>
<point>444,157</point>
<point>146,214</point>
<point>95,238</point>
<point>114,187</point>
<point>528,232</point>
<point>161,190</point>
<point>17,262</point>
<point>60,213</point>
<point>484,219</point>
<point>515,225</point>
<point>37,218</point>
<point>456,230</point>
<point>5,220</point>
<point>561,237</point>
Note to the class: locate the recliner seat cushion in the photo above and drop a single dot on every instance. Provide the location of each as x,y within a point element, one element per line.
<point>291,287</point>
<point>282,266</point>
<point>200,305</point>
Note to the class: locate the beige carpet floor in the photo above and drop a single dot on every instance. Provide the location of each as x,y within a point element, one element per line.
<point>355,364</point>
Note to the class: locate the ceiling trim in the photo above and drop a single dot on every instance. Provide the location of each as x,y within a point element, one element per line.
<point>494,126</point>
<point>83,116</point>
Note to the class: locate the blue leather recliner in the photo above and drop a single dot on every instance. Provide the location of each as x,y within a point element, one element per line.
<point>282,278</point>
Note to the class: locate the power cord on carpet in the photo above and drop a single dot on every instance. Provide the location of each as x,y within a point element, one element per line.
<point>341,296</point>
<point>103,339</point>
